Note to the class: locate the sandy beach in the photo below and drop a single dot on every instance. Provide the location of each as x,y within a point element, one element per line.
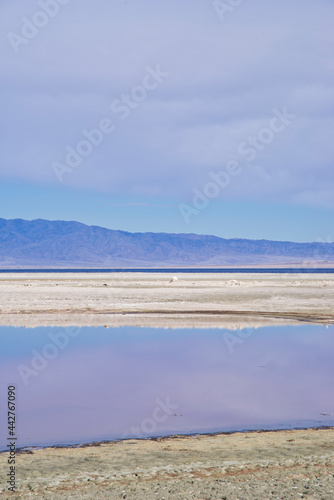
<point>240,466</point>
<point>155,300</point>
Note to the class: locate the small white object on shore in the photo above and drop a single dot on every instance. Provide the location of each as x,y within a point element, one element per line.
<point>173,279</point>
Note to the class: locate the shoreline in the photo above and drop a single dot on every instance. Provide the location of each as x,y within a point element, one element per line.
<point>305,266</point>
<point>268,464</point>
<point>169,437</point>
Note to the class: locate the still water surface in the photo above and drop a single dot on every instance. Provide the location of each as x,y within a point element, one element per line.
<point>77,385</point>
<point>290,270</point>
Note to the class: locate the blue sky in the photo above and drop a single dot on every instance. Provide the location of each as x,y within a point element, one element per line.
<point>178,116</point>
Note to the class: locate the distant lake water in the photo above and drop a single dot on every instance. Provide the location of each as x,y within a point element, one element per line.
<point>289,270</point>
<point>80,385</point>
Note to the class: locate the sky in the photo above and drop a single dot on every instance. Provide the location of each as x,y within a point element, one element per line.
<point>201,116</point>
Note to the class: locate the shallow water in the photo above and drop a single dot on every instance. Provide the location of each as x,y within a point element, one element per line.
<point>256,270</point>
<point>78,385</point>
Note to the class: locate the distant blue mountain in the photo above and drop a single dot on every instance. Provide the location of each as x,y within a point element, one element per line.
<point>42,243</point>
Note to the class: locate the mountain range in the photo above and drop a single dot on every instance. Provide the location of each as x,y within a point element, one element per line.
<point>62,244</point>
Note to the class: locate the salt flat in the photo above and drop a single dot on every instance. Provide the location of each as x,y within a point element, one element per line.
<point>205,300</point>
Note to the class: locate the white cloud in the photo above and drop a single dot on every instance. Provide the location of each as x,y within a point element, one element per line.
<point>225,79</point>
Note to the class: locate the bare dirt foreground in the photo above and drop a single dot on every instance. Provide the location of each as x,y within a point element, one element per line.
<point>155,300</point>
<point>244,466</point>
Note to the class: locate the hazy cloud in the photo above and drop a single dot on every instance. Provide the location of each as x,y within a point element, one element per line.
<point>225,80</point>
